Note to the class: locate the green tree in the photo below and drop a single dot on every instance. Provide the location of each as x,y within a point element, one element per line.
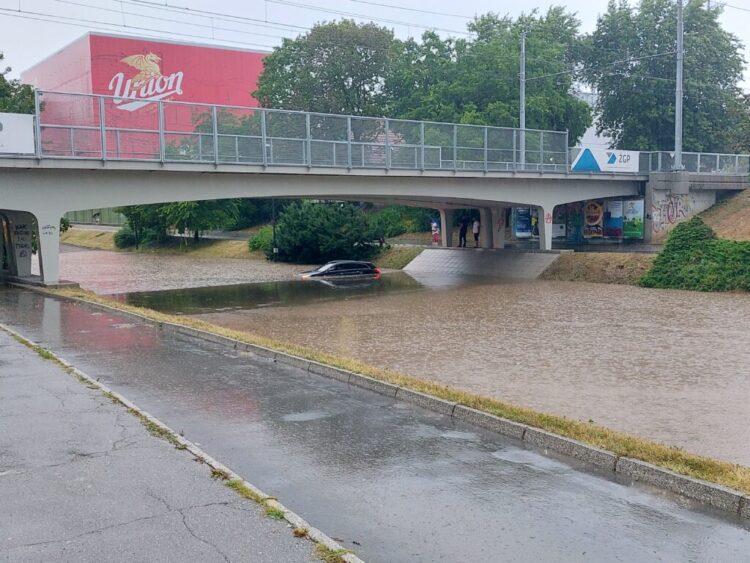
<point>14,96</point>
<point>146,222</point>
<point>310,232</point>
<point>198,216</point>
<point>476,82</point>
<point>631,63</point>
<point>336,67</point>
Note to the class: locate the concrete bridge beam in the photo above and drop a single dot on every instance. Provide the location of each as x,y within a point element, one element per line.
<point>20,224</point>
<point>545,226</point>
<point>446,227</point>
<point>485,227</point>
<point>48,237</point>
<point>498,227</point>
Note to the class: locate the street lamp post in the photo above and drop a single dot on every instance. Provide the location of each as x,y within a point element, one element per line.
<point>678,90</point>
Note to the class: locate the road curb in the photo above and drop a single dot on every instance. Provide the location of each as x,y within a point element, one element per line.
<point>316,535</point>
<point>711,494</point>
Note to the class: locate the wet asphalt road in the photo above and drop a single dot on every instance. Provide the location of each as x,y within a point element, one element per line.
<point>390,480</point>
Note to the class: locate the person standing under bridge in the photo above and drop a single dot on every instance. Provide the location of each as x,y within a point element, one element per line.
<point>462,233</point>
<point>475,229</point>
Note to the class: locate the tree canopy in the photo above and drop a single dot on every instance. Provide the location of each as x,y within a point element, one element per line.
<point>14,96</point>
<point>631,64</point>
<point>361,69</point>
<point>336,67</point>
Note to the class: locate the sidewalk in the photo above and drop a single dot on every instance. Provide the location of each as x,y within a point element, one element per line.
<point>82,480</point>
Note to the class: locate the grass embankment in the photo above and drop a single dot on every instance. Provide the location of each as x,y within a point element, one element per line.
<point>600,267</point>
<point>675,459</point>
<point>396,258</point>
<point>694,258</point>
<point>392,258</point>
<point>730,218</point>
<point>104,240</point>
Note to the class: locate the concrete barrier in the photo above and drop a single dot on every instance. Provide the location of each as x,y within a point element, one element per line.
<point>578,450</point>
<point>702,491</point>
<point>426,401</point>
<point>490,422</point>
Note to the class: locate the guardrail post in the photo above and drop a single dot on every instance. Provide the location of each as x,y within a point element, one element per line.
<point>308,151</point>
<point>102,128</point>
<point>387,146</point>
<point>486,151</point>
<point>455,146</point>
<point>718,163</point>
<point>541,151</point>
<point>117,143</point>
<point>162,148</point>
<point>699,163</point>
<point>349,141</point>
<point>421,143</point>
<point>263,139</point>
<point>567,151</point>
<point>38,124</point>
<point>736,164</point>
<point>515,149</point>
<point>215,132</point>
<point>72,142</point>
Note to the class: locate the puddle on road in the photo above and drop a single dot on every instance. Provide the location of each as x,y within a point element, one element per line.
<point>306,416</point>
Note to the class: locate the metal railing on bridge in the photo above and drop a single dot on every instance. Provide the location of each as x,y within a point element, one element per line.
<point>109,128</point>
<point>699,163</point>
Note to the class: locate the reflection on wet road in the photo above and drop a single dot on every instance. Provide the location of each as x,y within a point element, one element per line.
<point>403,483</point>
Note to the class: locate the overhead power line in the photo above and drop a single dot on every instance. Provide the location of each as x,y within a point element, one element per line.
<point>212,28</point>
<point>630,60</point>
<point>215,15</point>
<point>364,16</point>
<point>98,25</point>
<point>417,10</point>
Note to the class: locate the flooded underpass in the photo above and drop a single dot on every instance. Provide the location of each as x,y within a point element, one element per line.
<point>667,365</point>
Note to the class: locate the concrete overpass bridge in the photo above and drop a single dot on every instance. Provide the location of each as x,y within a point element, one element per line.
<point>82,152</point>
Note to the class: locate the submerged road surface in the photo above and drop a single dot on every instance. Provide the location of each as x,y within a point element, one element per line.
<point>390,480</point>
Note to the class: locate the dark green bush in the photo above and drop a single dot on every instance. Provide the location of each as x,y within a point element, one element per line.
<point>125,238</point>
<point>309,232</point>
<point>262,240</point>
<point>693,258</point>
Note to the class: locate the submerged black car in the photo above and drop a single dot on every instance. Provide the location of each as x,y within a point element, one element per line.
<point>344,269</point>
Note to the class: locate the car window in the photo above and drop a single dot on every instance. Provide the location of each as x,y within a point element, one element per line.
<point>326,267</point>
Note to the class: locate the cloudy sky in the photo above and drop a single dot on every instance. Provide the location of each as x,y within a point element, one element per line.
<point>33,29</point>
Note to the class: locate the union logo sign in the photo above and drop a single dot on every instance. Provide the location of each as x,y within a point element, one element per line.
<point>147,86</point>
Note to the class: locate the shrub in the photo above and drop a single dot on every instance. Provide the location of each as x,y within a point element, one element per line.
<point>693,258</point>
<point>310,232</point>
<point>262,240</point>
<point>125,238</point>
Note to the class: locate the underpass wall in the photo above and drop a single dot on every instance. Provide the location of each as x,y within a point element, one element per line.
<point>506,263</point>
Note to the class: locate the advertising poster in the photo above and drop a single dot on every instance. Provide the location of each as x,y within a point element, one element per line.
<point>593,219</point>
<point>598,160</point>
<point>523,222</point>
<point>613,219</point>
<point>558,222</point>
<point>633,219</point>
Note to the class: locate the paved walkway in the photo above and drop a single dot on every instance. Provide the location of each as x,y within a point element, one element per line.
<point>389,480</point>
<point>82,480</point>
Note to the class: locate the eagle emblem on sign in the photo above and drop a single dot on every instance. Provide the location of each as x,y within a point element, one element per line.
<point>147,65</point>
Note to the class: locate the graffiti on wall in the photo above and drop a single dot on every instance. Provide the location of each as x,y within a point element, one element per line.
<point>669,211</point>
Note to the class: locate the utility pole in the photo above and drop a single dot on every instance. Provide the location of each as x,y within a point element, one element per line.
<point>522,116</point>
<point>678,90</point>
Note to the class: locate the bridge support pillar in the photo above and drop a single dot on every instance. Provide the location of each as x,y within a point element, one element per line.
<point>48,235</point>
<point>485,227</point>
<point>498,227</point>
<point>545,227</point>
<point>446,227</point>
<point>20,226</point>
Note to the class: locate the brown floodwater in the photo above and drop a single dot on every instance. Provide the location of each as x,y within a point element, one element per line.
<point>673,366</point>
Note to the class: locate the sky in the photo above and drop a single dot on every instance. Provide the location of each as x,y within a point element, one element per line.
<point>25,39</point>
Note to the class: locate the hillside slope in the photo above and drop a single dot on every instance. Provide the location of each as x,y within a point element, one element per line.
<point>730,219</point>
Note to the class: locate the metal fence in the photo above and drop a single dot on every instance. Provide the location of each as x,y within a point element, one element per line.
<point>92,126</point>
<point>107,128</point>
<point>699,163</point>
